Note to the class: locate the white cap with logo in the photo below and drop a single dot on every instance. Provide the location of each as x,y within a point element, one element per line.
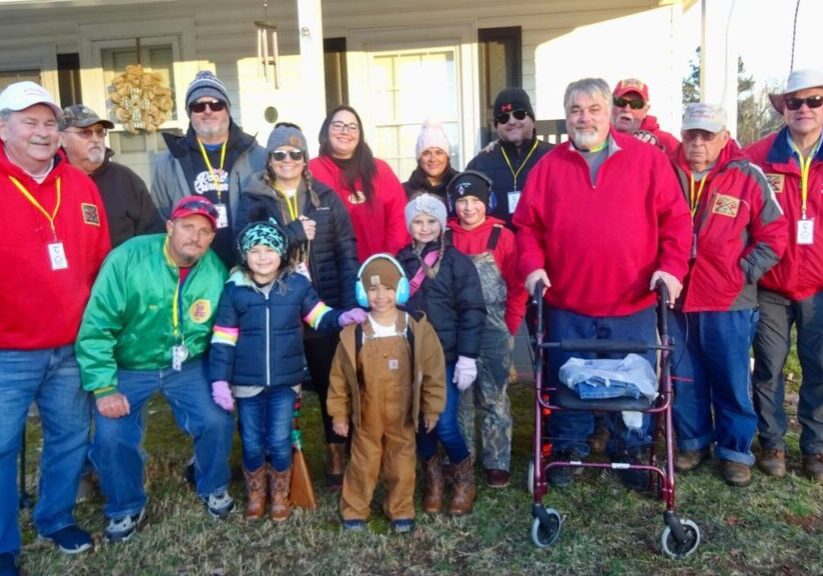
<point>708,117</point>
<point>22,95</point>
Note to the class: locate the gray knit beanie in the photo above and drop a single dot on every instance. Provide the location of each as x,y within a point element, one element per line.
<point>205,83</point>
<point>426,204</point>
<point>287,135</point>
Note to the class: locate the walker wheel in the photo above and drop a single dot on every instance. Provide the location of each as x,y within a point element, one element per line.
<point>546,528</point>
<point>530,477</point>
<point>674,549</point>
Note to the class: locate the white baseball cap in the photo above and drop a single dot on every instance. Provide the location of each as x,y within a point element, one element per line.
<point>701,116</point>
<point>22,95</point>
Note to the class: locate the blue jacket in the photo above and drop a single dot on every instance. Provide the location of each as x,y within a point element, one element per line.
<point>257,338</point>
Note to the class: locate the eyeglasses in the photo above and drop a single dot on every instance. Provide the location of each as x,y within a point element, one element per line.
<point>195,205</point>
<point>504,117</point>
<point>705,135</point>
<point>280,155</point>
<point>623,102</point>
<point>810,101</point>
<point>339,126</point>
<point>200,107</point>
<point>87,133</point>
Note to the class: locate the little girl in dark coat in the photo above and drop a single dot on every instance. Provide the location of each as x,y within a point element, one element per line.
<point>257,346</point>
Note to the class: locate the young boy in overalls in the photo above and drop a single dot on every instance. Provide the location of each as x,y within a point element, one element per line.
<point>491,246</point>
<point>385,374</point>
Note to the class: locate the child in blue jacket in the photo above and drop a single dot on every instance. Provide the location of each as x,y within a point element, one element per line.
<point>257,346</point>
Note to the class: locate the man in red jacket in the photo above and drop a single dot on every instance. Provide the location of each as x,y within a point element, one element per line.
<point>601,220</point>
<point>791,293</point>
<point>739,234</point>
<point>630,114</point>
<point>55,236</point>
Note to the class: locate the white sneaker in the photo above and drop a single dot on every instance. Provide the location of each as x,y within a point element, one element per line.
<point>122,529</point>
<point>219,505</point>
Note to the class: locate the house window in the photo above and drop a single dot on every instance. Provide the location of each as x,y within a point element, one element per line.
<point>500,67</point>
<point>11,76</point>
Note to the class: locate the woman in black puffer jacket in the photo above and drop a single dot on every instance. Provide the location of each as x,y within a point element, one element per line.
<point>319,229</point>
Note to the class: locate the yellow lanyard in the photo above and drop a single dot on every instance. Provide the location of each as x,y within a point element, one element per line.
<point>36,204</point>
<point>291,203</point>
<point>805,165</point>
<point>694,198</point>
<point>515,174</point>
<point>215,178</point>
<point>175,305</point>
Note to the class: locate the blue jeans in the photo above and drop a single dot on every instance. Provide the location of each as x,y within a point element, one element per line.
<point>265,422</point>
<point>117,451</point>
<point>710,368</point>
<point>447,429</point>
<point>51,378</point>
<point>570,429</point>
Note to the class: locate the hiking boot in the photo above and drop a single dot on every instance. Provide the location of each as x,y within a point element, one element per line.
<point>772,462</point>
<point>637,480</point>
<point>813,466</point>
<point>256,490</point>
<point>496,478</point>
<point>402,525</point>
<point>8,565</point>
<point>736,474</point>
<point>122,529</point>
<point>335,465</point>
<point>433,490</point>
<point>463,492</point>
<point>354,525</point>
<point>279,483</point>
<point>563,476</point>
<point>69,540</point>
<point>688,460</point>
<point>219,505</point>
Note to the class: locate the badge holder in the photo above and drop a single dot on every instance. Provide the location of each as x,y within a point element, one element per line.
<point>179,354</point>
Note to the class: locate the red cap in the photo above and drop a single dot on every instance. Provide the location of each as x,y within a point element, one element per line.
<point>190,205</point>
<point>631,85</point>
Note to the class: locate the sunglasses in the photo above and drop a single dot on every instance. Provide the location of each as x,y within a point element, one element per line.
<point>200,107</point>
<point>810,101</point>
<point>280,155</point>
<point>633,104</point>
<point>195,205</point>
<point>339,126</point>
<point>705,135</point>
<point>87,133</point>
<point>504,117</point>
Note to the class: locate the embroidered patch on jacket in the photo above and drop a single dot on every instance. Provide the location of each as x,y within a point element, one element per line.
<point>90,214</point>
<point>200,311</point>
<point>776,181</point>
<point>726,205</point>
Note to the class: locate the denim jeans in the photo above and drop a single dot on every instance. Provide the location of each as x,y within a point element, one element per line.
<point>117,451</point>
<point>771,347</point>
<point>265,422</point>
<point>51,378</point>
<point>712,384</point>
<point>570,429</point>
<point>447,429</point>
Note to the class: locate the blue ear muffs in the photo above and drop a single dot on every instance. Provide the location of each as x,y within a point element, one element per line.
<point>401,293</point>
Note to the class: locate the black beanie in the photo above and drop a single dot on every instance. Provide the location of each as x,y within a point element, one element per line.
<point>511,99</point>
<point>470,183</point>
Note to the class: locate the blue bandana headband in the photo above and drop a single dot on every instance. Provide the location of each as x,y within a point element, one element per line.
<point>263,233</point>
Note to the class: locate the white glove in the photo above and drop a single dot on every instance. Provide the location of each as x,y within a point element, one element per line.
<point>465,372</point>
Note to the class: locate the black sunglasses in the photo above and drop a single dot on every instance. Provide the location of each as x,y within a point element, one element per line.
<point>280,155</point>
<point>504,117</point>
<point>633,104</point>
<point>810,101</point>
<point>195,205</point>
<point>200,107</point>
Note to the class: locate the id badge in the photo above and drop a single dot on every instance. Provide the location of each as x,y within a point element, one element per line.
<point>301,268</point>
<point>222,216</point>
<point>57,256</point>
<point>179,354</point>
<point>805,232</point>
<point>513,198</point>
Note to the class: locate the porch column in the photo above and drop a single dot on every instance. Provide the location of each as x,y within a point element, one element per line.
<point>313,85</point>
<point>718,59</point>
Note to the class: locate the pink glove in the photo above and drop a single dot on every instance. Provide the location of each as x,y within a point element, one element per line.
<point>353,316</point>
<point>221,394</point>
<point>465,372</point>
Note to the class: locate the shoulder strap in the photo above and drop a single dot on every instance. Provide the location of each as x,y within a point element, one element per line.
<point>494,237</point>
<point>426,263</point>
<point>358,345</point>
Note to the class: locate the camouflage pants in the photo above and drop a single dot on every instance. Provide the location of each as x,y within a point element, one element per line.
<point>489,398</point>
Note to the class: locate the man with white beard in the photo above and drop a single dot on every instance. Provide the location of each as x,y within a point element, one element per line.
<point>129,207</point>
<point>600,221</point>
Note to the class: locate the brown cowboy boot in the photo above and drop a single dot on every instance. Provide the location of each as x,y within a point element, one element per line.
<point>335,458</point>
<point>256,490</point>
<point>433,491</point>
<point>464,491</point>
<point>279,487</point>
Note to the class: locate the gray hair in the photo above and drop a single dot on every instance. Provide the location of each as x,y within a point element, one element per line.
<point>5,114</point>
<point>590,86</point>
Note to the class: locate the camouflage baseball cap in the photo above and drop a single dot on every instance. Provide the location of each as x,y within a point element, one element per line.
<point>81,116</point>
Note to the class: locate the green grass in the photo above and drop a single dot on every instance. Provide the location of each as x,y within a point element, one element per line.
<point>775,526</point>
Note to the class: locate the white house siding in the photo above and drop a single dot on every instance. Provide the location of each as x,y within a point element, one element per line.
<point>561,40</point>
